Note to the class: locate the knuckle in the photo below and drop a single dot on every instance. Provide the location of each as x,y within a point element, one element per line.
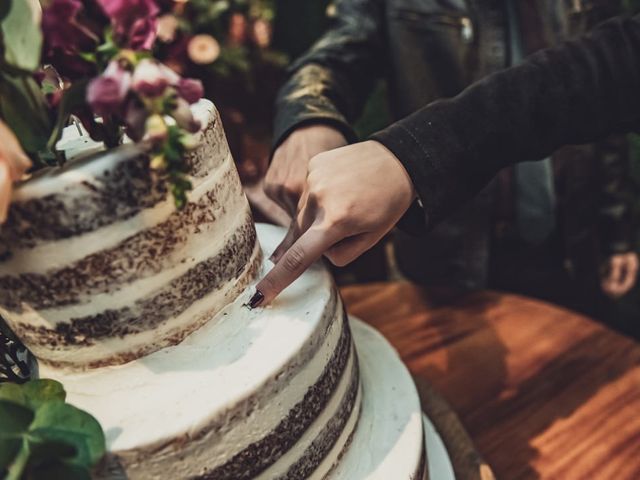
<point>294,259</point>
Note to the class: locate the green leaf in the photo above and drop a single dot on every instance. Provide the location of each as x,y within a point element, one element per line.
<point>5,6</point>
<point>60,471</point>
<point>39,392</point>
<point>21,34</point>
<point>9,448</point>
<point>17,468</point>
<point>12,392</point>
<point>33,394</point>
<point>41,437</point>
<point>61,422</point>
<point>14,419</point>
<point>24,108</point>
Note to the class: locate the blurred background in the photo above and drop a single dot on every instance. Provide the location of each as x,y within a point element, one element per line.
<point>240,49</point>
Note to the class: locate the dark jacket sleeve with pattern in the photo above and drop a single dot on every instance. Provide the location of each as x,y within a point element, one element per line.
<point>577,92</point>
<point>331,83</point>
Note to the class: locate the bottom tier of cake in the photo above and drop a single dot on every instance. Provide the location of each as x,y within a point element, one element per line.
<point>388,440</point>
<point>285,392</point>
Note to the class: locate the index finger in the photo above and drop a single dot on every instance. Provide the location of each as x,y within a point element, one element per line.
<point>307,249</point>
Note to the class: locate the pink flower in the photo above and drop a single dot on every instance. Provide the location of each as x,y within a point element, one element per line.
<point>151,79</point>
<point>121,11</point>
<point>65,36</point>
<point>106,94</point>
<point>143,34</point>
<point>134,22</point>
<point>189,89</point>
<point>61,27</point>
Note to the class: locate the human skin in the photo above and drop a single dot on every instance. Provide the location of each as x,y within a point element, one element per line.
<point>340,216</point>
<point>13,165</point>
<point>620,275</point>
<point>287,175</point>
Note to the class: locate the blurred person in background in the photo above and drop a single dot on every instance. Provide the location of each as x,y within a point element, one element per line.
<point>559,229</point>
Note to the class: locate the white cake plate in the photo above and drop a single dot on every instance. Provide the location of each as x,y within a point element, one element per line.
<point>387,442</point>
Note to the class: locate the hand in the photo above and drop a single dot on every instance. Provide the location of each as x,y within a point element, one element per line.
<point>353,196</point>
<point>287,175</point>
<point>13,165</point>
<point>620,275</point>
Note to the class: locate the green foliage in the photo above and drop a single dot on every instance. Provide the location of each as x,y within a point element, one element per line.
<point>21,35</point>
<point>22,103</point>
<point>41,436</point>
<point>176,169</point>
<point>23,107</point>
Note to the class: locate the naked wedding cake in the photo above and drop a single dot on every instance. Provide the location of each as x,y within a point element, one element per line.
<point>140,311</point>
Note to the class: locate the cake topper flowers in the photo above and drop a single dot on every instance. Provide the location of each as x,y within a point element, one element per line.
<point>93,59</point>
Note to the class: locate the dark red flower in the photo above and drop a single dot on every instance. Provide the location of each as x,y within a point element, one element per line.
<point>143,34</point>
<point>62,29</point>
<point>106,94</point>
<point>65,36</point>
<point>119,10</point>
<point>190,89</point>
<point>134,22</point>
<point>151,79</point>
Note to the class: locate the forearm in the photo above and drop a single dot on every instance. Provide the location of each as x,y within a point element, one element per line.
<point>331,82</point>
<point>578,92</point>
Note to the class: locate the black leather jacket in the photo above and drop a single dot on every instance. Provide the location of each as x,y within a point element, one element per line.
<point>428,50</point>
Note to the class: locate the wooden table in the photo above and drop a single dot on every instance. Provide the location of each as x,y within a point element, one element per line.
<point>543,392</point>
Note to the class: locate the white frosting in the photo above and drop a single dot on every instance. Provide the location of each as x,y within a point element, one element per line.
<point>57,254</point>
<point>388,441</point>
<point>193,317</point>
<point>179,391</point>
<point>227,214</point>
<point>182,389</point>
<point>283,464</point>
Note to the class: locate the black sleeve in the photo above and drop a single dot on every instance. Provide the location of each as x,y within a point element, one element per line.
<point>615,212</point>
<point>331,82</point>
<point>571,94</point>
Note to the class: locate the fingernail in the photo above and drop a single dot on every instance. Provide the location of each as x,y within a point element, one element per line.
<point>256,300</point>
<point>272,258</point>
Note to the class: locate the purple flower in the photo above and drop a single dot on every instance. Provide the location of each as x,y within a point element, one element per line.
<point>134,21</point>
<point>143,34</point>
<point>119,10</point>
<point>149,79</point>
<point>62,29</point>
<point>106,94</point>
<point>65,36</point>
<point>190,89</point>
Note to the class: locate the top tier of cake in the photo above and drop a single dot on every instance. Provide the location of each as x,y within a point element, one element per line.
<point>97,267</point>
